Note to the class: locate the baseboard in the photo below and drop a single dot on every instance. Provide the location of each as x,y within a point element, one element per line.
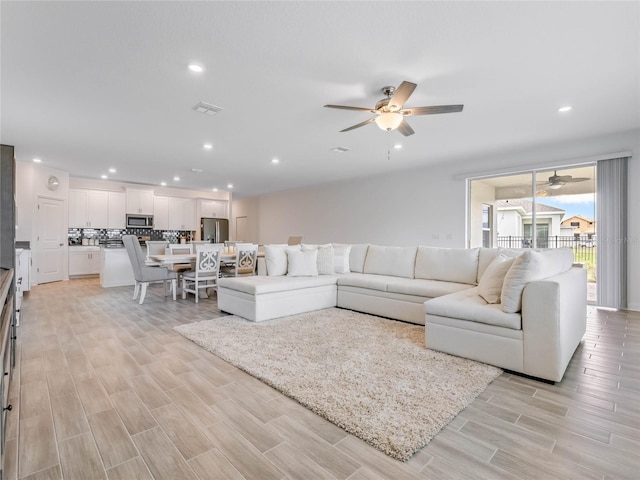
<point>634,306</point>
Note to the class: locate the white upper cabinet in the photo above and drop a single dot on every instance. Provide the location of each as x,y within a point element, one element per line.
<point>161,213</point>
<point>117,211</point>
<point>213,208</point>
<point>182,214</point>
<point>88,208</point>
<point>139,201</point>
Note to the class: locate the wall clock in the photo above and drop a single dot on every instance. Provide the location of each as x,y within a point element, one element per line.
<point>53,182</point>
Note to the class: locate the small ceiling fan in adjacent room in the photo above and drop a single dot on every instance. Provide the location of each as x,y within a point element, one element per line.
<point>557,181</point>
<point>390,111</point>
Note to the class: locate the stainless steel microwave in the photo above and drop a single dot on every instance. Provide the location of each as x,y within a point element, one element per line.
<point>139,221</point>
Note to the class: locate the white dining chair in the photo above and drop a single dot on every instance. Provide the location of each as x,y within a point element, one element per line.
<point>245,262</point>
<point>143,274</point>
<point>155,247</point>
<point>180,249</point>
<point>205,274</point>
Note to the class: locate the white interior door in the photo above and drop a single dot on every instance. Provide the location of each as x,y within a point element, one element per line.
<point>50,240</point>
<point>241,229</point>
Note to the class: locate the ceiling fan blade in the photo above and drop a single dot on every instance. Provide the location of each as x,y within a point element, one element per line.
<point>401,95</point>
<point>405,129</point>
<point>346,107</point>
<point>577,179</point>
<point>361,124</point>
<point>432,110</point>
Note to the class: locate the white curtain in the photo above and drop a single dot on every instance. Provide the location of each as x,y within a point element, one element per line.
<point>612,232</point>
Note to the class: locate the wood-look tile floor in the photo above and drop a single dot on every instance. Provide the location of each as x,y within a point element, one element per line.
<point>103,388</point>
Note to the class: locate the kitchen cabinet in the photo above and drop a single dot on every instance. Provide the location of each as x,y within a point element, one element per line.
<point>23,268</point>
<point>84,261</point>
<point>88,208</point>
<point>213,208</point>
<point>139,201</point>
<point>182,214</point>
<point>117,212</point>
<point>161,213</point>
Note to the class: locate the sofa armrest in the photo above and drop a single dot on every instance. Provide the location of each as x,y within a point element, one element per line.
<point>554,319</point>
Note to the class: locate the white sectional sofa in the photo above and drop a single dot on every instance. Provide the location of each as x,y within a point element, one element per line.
<point>534,328</point>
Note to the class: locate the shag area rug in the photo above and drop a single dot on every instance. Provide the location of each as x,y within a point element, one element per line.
<point>371,376</point>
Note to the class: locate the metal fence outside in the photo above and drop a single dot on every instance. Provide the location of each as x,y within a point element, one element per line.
<point>584,247</point>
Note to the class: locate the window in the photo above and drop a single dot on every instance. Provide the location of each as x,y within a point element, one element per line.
<point>487,223</point>
<point>575,224</point>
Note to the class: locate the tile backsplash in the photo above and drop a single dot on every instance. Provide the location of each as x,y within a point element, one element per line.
<point>104,235</point>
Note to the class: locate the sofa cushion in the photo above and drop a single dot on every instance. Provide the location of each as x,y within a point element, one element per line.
<point>424,288</point>
<point>395,261</point>
<point>457,265</point>
<point>487,255</point>
<point>276,259</point>
<point>341,258</point>
<point>530,266</point>
<point>325,258</point>
<point>468,305</point>
<point>356,257</point>
<point>261,284</point>
<point>302,263</point>
<point>490,285</point>
<point>364,280</point>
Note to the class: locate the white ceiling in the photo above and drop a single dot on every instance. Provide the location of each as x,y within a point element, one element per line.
<point>90,85</point>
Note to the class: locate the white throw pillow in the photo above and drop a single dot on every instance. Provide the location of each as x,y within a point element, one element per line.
<point>341,258</point>
<point>325,258</point>
<point>529,267</point>
<point>276,259</point>
<point>302,263</point>
<point>490,285</point>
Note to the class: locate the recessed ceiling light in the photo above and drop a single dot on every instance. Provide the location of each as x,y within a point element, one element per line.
<point>104,177</point>
<point>37,160</point>
<point>230,185</point>
<point>340,149</point>
<point>207,146</point>
<point>215,189</point>
<point>397,146</point>
<point>196,68</point>
<point>197,170</point>
<point>176,179</point>
<point>564,109</point>
<point>112,170</point>
<point>164,184</point>
<point>275,161</point>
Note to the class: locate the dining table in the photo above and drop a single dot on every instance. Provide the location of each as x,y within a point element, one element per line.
<point>170,259</point>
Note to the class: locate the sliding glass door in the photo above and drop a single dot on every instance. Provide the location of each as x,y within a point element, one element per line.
<point>537,209</point>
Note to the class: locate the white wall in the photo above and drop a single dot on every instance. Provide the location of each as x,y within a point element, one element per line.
<point>427,206</point>
<point>481,193</point>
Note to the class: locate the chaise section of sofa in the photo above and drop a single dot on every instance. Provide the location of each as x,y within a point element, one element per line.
<point>260,298</point>
<point>538,339</point>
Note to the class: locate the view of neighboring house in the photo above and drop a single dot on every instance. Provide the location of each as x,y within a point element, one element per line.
<point>580,225</point>
<point>515,219</point>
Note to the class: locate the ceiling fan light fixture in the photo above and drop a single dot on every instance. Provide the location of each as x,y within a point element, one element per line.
<point>555,186</point>
<point>389,120</point>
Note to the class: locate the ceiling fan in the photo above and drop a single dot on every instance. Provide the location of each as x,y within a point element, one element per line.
<point>390,112</point>
<point>556,181</point>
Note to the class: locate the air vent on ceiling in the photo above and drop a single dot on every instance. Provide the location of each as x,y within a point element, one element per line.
<point>340,149</point>
<point>207,108</point>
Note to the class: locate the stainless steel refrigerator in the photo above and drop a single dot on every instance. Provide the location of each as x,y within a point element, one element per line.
<point>214,230</point>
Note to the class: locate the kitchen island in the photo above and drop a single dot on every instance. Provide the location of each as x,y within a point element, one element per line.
<point>115,267</point>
